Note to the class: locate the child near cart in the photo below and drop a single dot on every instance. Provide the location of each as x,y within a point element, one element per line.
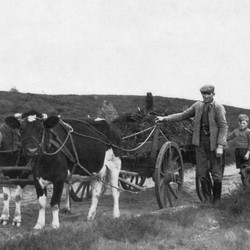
<point>241,136</point>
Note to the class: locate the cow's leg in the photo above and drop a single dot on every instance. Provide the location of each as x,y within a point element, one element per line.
<point>17,215</point>
<point>6,206</point>
<point>96,189</point>
<point>55,203</point>
<point>42,201</point>
<point>114,168</point>
<point>66,206</point>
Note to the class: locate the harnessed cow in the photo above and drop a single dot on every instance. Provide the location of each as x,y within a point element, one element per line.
<point>61,149</point>
<point>10,156</point>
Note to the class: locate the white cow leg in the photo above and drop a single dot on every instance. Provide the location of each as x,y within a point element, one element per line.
<point>55,217</point>
<point>96,187</point>
<point>17,220</point>
<point>114,175</point>
<point>41,216</point>
<point>6,206</point>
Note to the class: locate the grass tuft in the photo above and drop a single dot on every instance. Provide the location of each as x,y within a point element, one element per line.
<point>131,229</point>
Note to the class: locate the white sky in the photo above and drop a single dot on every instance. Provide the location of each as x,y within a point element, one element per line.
<point>127,47</point>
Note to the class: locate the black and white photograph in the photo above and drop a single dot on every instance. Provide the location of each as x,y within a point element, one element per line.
<point>124,124</point>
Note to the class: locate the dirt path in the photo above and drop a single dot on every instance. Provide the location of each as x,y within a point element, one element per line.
<point>130,203</point>
<point>231,181</point>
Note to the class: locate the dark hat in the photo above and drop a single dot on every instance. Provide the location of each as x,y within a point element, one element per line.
<point>207,88</point>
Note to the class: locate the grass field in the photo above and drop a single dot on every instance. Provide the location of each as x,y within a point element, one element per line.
<point>227,227</point>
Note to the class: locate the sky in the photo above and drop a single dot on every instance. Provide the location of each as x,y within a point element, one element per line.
<point>167,47</point>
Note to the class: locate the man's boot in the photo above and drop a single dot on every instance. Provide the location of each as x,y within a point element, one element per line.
<point>206,190</point>
<point>242,180</point>
<point>217,193</point>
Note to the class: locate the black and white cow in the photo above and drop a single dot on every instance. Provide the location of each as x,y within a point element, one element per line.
<point>52,142</point>
<point>10,156</point>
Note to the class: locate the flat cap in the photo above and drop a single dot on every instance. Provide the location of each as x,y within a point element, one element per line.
<point>207,88</point>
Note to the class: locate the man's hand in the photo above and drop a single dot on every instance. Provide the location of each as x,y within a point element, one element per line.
<point>219,151</point>
<point>160,118</point>
<point>247,155</point>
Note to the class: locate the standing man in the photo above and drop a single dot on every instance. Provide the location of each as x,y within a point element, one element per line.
<point>209,139</point>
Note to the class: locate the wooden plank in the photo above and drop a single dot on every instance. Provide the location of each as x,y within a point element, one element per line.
<point>10,168</point>
<point>79,178</point>
<point>128,173</point>
<point>133,185</point>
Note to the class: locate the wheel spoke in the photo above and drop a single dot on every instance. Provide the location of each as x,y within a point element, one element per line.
<point>171,172</point>
<point>168,196</point>
<point>162,182</point>
<point>137,179</point>
<point>170,157</point>
<point>172,191</point>
<point>165,195</point>
<point>164,164</point>
<point>175,159</point>
<point>79,187</point>
<point>132,178</point>
<point>88,191</point>
<point>80,190</point>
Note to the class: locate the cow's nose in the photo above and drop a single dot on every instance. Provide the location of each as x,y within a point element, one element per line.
<point>32,151</point>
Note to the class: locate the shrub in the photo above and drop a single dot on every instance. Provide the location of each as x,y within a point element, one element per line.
<point>107,111</point>
<point>14,90</point>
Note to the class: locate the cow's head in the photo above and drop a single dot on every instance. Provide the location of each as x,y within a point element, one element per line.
<point>32,126</point>
<point>246,176</point>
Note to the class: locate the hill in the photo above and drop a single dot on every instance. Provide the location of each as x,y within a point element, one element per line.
<point>83,105</point>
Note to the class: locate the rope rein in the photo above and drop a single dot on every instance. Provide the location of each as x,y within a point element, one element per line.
<point>62,144</point>
<point>141,145</point>
<point>109,143</point>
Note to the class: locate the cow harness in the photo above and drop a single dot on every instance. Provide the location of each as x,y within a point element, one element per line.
<point>60,145</point>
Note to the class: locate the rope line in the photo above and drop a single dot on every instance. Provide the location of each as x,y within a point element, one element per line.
<point>141,145</point>
<point>163,135</point>
<point>126,137</point>
<point>61,147</point>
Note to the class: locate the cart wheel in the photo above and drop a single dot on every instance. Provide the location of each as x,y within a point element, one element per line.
<point>169,175</point>
<point>138,180</point>
<point>80,191</point>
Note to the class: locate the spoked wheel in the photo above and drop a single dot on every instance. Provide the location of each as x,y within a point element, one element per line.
<point>169,175</point>
<point>80,191</point>
<point>137,179</point>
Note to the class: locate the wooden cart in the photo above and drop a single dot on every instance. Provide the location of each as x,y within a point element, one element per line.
<point>155,157</point>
